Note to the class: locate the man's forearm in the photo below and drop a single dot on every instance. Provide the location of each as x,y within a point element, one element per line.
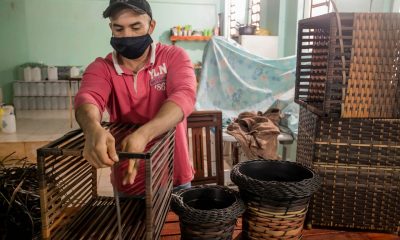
<point>167,117</point>
<point>88,117</point>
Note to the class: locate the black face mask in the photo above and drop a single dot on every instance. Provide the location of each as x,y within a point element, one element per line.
<point>131,47</point>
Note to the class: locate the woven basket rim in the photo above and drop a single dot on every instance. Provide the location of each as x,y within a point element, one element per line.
<point>257,187</point>
<point>231,212</point>
<point>313,174</point>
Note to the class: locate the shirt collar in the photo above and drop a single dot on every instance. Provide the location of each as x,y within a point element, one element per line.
<point>118,67</point>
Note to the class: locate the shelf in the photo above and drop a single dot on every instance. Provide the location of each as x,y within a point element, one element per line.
<point>50,81</point>
<point>189,38</point>
<point>60,95</point>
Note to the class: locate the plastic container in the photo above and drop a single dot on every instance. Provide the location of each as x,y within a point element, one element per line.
<point>40,103</point>
<point>74,72</point>
<point>55,88</point>
<point>36,74</point>
<point>27,74</point>
<point>40,89</point>
<point>48,89</point>
<point>17,103</point>
<point>32,103</point>
<point>64,88</point>
<point>247,30</point>
<point>25,89</point>
<point>33,89</point>
<point>17,89</point>
<point>47,103</point>
<point>8,122</point>
<point>24,103</point>
<point>52,73</point>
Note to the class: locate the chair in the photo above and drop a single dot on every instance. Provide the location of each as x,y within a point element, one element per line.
<point>70,206</point>
<point>205,146</point>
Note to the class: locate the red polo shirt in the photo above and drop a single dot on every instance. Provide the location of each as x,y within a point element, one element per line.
<point>168,76</point>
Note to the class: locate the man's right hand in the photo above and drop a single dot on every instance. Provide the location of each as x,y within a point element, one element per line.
<point>99,148</point>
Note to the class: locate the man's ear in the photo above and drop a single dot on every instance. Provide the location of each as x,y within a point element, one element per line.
<point>152,26</point>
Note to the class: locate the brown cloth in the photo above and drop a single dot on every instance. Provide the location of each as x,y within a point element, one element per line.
<point>257,133</point>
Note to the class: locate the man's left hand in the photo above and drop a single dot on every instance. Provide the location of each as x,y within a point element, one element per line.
<point>134,143</point>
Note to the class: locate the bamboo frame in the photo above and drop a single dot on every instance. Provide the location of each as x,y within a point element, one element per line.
<point>70,206</point>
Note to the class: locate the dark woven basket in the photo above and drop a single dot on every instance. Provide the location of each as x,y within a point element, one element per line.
<point>207,212</point>
<point>215,230</point>
<point>275,179</point>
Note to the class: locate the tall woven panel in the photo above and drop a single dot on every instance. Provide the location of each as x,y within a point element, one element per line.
<point>358,161</point>
<point>356,78</point>
<point>373,84</point>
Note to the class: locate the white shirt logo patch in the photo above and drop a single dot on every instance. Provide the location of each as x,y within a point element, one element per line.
<point>158,77</point>
<point>162,69</point>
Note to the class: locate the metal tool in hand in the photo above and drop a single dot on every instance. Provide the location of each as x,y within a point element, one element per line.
<point>117,204</point>
<point>123,156</point>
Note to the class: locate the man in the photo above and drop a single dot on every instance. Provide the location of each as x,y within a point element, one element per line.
<point>140,82</point>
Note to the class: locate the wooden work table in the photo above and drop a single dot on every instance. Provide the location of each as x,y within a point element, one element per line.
<point>35,128</point>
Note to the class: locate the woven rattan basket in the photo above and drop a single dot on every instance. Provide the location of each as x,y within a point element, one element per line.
<point>358,161</point>
<point>358,77</point>
<point>276,194</point>
<point>207,212</point>
<point>273,219</point>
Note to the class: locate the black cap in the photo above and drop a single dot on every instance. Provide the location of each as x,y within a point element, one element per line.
<point>140,6</point>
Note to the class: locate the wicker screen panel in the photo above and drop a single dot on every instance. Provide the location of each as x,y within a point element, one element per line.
<point>374,76</point>
<point>367,85</point>
<point>306,137</point>
<point>319,80</point>
<point>348,141</point>
<point>361,197</point>
<point>358,141</point>
<point>358,161</point>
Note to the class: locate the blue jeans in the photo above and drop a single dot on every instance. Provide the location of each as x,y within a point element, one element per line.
<point>183,186</point>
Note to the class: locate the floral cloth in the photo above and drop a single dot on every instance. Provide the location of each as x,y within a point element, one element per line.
<point>234,81</point>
